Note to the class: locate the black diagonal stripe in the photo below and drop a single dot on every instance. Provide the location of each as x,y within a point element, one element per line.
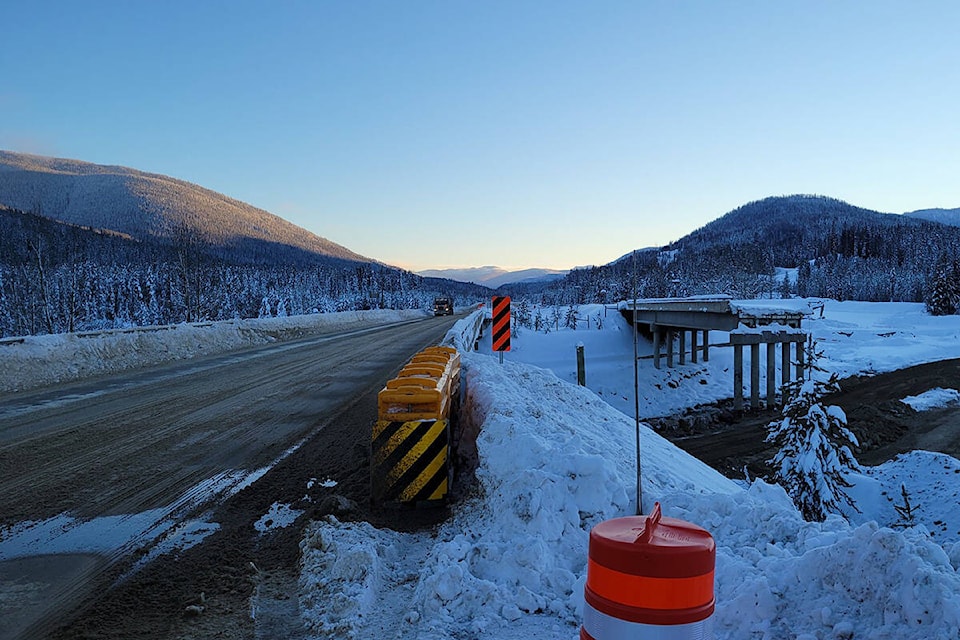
<point>505,331</point>
<point>408,443</point>
<point>443,473</point>
<point>418,466</point>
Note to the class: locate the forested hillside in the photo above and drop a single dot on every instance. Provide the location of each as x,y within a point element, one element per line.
<point>56,277</point>
<point>150,206</point>
<point>838,251</point>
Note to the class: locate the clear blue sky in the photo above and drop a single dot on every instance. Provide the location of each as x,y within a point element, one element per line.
<point>521,134</point>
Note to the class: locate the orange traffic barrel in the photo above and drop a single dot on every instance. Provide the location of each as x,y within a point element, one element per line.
<point>649,577</point>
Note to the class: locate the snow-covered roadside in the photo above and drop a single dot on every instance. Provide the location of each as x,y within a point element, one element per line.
<point>555,459</point>
<point>51,359</point>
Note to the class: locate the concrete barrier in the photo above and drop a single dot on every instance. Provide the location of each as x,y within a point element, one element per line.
<point>411,441</point>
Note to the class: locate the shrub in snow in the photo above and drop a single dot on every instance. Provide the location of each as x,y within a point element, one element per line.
<point>906,511</point>
<point>813,446</point>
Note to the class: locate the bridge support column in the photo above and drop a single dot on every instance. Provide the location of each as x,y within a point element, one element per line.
<point>683,346</point>
<point>693,346</point>
<point>670,336</point>
<point>738,377</point>
<point>755,376</point>
<point>785,364</point>
<point>771,370</point>
<point>656,346</point>
<point>770,339</point>
<point>800,364</point>
<point>706,345</point>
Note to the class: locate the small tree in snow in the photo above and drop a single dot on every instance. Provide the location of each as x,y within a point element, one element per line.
<point>814,445</point>
<point>906,511</point>
<point>539,323</point>
<point>571,318</point>
<point>522,314</point>
<point>555,317</point>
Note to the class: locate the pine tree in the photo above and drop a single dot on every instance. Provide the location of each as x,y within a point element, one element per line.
<point>814,445</point>
<point>538,321</point>
<point>571,318</point>
<point>522,314</point>
<point>944,296</point>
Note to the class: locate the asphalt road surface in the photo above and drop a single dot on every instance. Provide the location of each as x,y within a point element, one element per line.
<point>216,440</point>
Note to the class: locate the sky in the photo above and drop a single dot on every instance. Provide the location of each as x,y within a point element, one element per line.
<point>456,134</point>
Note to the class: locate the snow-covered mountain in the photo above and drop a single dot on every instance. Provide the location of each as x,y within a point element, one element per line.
<point>943,216</point>
<point>152,206</point>
<point>493,277</point>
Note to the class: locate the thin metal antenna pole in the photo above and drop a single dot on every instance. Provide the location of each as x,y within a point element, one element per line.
<point>636,385</point>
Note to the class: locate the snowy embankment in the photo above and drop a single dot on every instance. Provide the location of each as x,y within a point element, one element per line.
<point>555,459</point>
<point>53,359</point>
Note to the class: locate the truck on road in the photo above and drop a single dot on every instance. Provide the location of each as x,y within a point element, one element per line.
<point>442,307</point>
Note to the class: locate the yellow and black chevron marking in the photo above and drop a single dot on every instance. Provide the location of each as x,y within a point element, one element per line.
<point>410,461</point>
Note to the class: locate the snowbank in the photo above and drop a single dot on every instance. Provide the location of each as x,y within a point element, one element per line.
<point>554,461</point>
<point>51,359</point>
<point>933,399</point>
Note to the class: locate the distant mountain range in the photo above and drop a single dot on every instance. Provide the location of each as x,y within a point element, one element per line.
<point>943,216</point>
<point>839,250</point>
<point>494,277</point>
<point>156,207</point>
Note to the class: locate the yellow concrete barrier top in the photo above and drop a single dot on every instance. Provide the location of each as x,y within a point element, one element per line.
<point>424,387</point>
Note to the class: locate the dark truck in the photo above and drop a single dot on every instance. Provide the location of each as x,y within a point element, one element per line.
<point>442,307</point>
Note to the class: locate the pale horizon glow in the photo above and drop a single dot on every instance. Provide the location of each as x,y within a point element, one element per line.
<point>531,135</point>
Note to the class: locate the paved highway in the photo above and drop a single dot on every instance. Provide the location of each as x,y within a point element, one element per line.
<point>167,442</point>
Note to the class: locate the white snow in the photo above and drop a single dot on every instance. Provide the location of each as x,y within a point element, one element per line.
<point>933,399</point>
<point>556,459</point>
<point>278,516</point>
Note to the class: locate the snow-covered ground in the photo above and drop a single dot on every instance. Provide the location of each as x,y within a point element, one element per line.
<point>555,459</point>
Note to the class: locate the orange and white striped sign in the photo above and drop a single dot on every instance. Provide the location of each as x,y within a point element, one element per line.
<point>501,323</point>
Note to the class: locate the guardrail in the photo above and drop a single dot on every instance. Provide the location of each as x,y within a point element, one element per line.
<point>411,441</point>
<point>465,333</point>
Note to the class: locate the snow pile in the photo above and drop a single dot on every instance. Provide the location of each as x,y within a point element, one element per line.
<point>554,461</point>
<point>933,399</point>
<point>781,577</point>
<point>52,359</point>
<point>932,483</point>
<point>343,574</point>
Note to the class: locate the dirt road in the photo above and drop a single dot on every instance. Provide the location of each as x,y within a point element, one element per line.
<point>731,442</point>
<point>215,441</point>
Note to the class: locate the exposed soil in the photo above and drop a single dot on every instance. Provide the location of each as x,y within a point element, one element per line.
<point>237,568</point>
<point>733,442</point>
